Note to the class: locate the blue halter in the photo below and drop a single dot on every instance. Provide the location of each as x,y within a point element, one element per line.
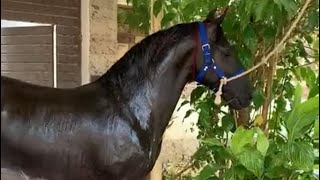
<point>209,62</point>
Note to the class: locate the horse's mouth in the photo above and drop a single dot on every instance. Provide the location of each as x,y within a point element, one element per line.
<point>234,104</point>
<point>237,104</point>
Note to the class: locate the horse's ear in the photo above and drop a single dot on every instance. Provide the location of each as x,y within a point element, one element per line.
<point>217,16</point>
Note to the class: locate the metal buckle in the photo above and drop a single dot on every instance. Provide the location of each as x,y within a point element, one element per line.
<point>206,45</point>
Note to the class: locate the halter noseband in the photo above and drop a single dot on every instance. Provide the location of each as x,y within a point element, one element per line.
<point>209,62</point>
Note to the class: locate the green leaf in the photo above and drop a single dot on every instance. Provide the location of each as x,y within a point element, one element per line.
<point>313,91</point>
<point>297,73</point>
<point>208,171</point>
<point>243,15</point>
<point>316,129</point>
<point>167,18</point>
<point>228,123</point>
<point>273,148</point>
<point>211,142</point>
<point>281,104</point>
<point>249,5</point>
<point>280,73</point>
<point>236,172</point>
<point>175,3</point>
<point>250,38</point>
<point>279,3</point>
<point>309,76</point>
<point>313,19</point>
<point>203,119</point>
<point>308,38</point>
<point>189,8</point>
<point>258,99</point>
<point>288,90</point>
<point>297,96</point>
<point>188,113</point>
<point>269,33</point>
<point>157,7</point>
<point>221,153</point>
<point>302,51</point>
<point>278,172</point>
<point>205,107</point>
<point>196,94</point>
<point>288,5</point>
<point>245,56</point>
<point>302,116</point>
<point>252,160</point>
<point>300,154</point>
<point>182,104</point>
<point>315,46</point>
<point>228,23</point>
<point>275,160</point>
<point>261,5</point>
<point>262,142</point>
<point>241,137</point>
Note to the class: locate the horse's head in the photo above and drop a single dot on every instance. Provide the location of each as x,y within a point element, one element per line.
<point>221,62</point>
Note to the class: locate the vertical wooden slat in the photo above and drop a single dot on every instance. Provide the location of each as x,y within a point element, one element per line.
<point>54,55</point>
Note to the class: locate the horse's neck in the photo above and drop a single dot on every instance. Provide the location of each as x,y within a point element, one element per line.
<point>152,99</point>
<point>155,99</point>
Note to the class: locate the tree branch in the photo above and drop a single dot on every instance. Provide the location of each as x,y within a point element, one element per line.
<point>302,65</point>
<point>187,167</point>
<point>278,47</point>
<point>271,51</point>
<point>285,35</point>
<point>267,92</point>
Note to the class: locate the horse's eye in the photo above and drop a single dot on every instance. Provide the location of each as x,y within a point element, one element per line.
<point>226,51</point>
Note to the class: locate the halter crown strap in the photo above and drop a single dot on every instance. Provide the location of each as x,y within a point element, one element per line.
<point>209,62</point>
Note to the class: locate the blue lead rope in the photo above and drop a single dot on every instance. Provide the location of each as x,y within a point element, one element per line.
<point>209,62</point>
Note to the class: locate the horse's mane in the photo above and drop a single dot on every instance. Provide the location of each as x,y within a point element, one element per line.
<point>144,57</point>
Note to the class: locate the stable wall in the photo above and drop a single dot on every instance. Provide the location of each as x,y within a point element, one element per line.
<point>65,14</point>
<point>103,36</point>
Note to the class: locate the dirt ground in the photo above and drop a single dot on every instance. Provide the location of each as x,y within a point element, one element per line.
<point>180,139</point>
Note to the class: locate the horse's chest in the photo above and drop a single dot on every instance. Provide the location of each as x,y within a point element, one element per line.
<point>120,150</point>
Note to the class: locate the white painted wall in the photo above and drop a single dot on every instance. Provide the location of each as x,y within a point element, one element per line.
<point>9,23</point>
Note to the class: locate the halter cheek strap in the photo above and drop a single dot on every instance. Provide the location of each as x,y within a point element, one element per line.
<point>209,62</point>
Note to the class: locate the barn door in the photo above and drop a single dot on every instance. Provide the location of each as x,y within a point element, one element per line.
<point>27,54</point>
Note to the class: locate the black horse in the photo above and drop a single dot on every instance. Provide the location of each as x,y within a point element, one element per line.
<point>112,128</point>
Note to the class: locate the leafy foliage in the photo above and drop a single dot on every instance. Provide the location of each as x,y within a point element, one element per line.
<point>284,150</point>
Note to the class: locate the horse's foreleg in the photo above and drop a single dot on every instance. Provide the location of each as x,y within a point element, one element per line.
<point>156,172</point>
